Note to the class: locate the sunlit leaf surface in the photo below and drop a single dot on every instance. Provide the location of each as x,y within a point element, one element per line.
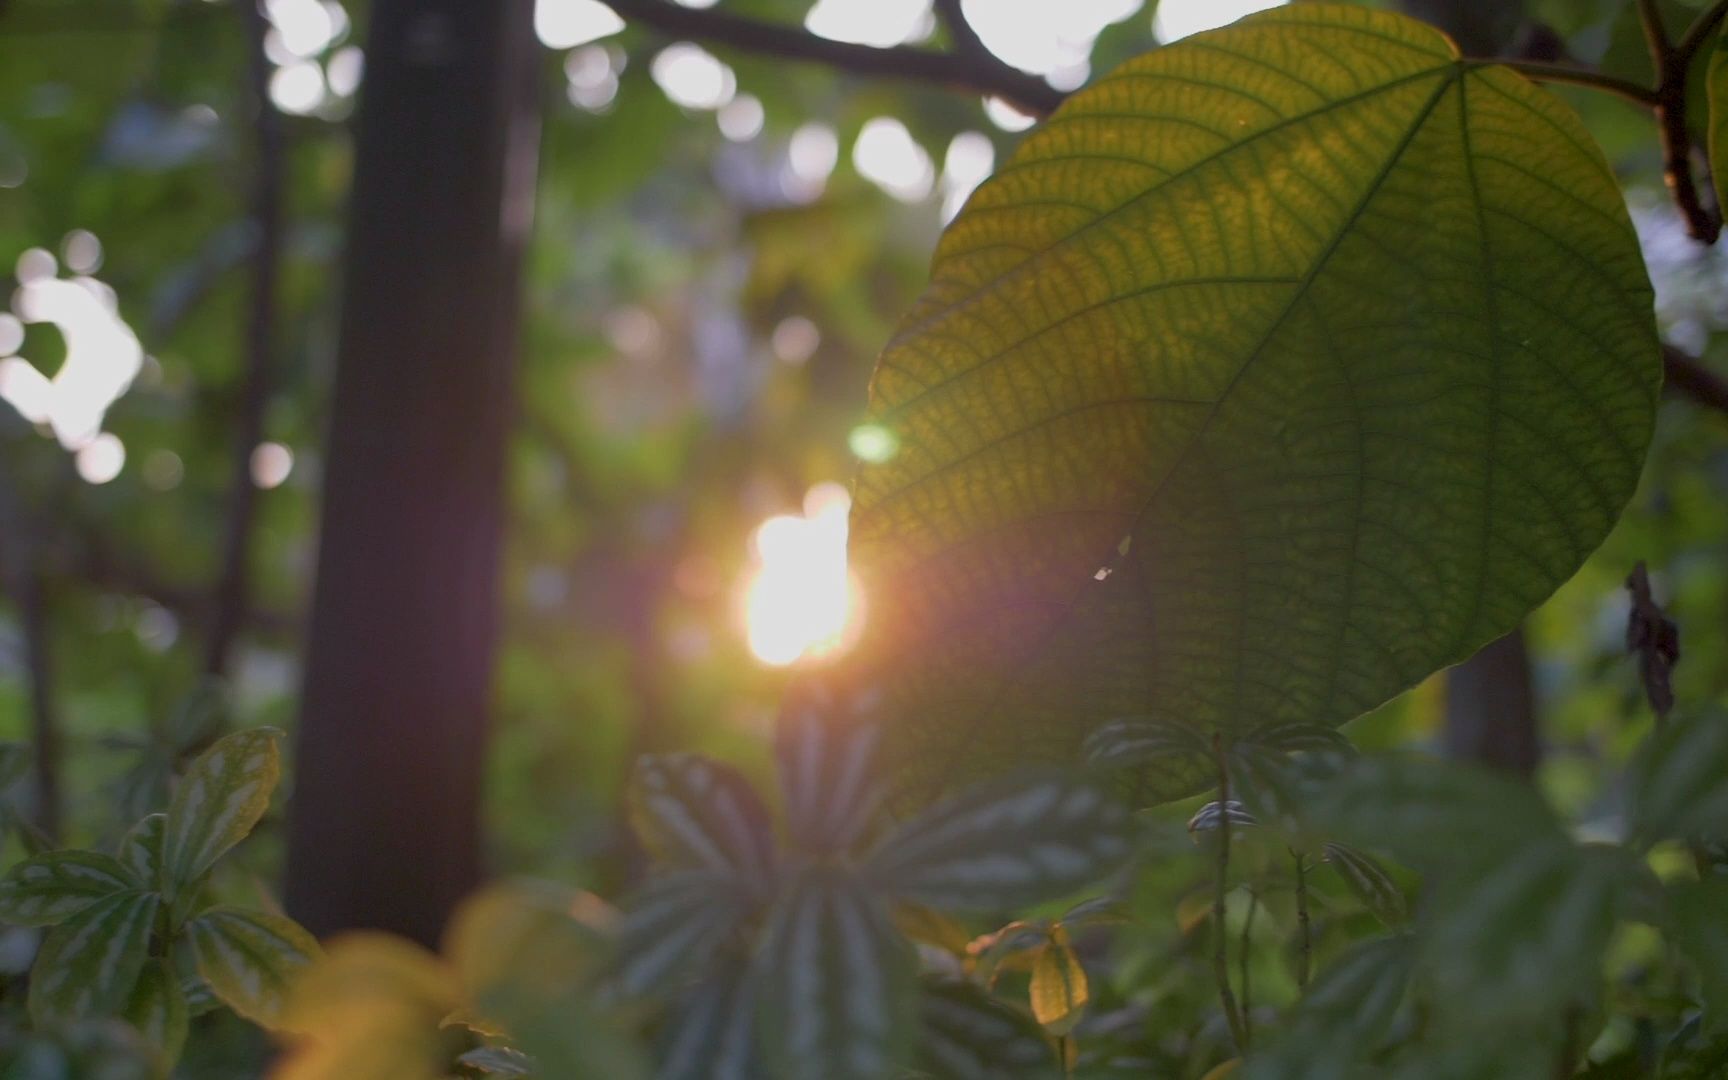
<point>1278,369</point>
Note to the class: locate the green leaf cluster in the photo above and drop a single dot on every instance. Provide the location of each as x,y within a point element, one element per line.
<point>137,935</point>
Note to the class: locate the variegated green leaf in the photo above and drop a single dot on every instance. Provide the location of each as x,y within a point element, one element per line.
<point>838,983</point>
<point>1098,911</point>
<point>1211,817</point>
<point>712,1032</point>
<point>250,959</point>
<point>45,889</point>
<point>218,801</point>
<point>673,925</point>
<point>1369,881</point>
<point>968,1035</point>
<point>140,850</point>
<point>89,964</point>
<point>1163,754</point>
<point>157,1008</point>
<point>826,755</point>
<point>699,814</point>
<point>1004,843</point>
<point>1296,738</point>
<point>1059,990</point>
<point>1679,781</point>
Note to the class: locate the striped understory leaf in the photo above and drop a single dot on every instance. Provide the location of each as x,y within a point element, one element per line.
<point>45,889</point>
<point>217,803</point>
<point>250,959</point>
<point>969,1035</point>
<point>674,925</point>
<point>838,982</point>
<point>89,964</point>
<point>1016,840</point>
<point>1370,882</point>
<point>140,850</point>
<point>699,814</point>
<point>711,1034</point>
<point>828,780</point>
<point>157,1008</point>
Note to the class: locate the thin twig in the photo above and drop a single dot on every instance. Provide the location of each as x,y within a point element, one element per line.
<point>232,592</point>
<point>1672,65</point>
<point>1690,377</point>
<point>1699,32</point>
<point>979,73</point>
<point>965,40</point>
<point>1304,954</point>
<point>1243,952</point>
<point>1221,933</point>
<point>1579,76</point>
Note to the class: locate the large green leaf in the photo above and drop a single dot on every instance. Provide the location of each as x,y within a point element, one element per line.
<point>251,959</point>
<point>89,964</point>
<point>218,801</point>
<point>44,889</point>
<point>1278,369</point>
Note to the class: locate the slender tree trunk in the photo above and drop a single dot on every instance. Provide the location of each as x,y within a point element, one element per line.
<point>21,573</point>
<point>1491,708</point>
<point>233,582</point>
<point>384,829</point>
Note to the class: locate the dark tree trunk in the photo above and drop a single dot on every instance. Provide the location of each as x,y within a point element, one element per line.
<point>384,829</point>
<point>1491,708</point>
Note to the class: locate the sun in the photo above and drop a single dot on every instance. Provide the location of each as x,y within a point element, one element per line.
<point>800,600</point>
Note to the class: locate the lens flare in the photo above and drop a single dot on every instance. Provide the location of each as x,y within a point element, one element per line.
<point>800,601</point>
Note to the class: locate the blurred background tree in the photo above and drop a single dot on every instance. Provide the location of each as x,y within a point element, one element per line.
<point>236,314</point>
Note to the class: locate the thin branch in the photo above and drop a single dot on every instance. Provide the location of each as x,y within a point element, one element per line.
<point>1691,378</point>
<point>1655,34</point>
<point>1221,887</point>
<point>965,39</point>
<point>1243,952</point>
<point>975,73</point>
<point>1579,76</point>
<point>233,582</point>
<point>1698,33</point>
<point>1305,954</point>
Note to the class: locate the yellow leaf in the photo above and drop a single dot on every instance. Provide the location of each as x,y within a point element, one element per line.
<point>1059,990</point>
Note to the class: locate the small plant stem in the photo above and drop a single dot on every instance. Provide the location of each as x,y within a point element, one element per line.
<point>1242,953</point>
<point>1221,935</point>
<point>1305,953</point>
